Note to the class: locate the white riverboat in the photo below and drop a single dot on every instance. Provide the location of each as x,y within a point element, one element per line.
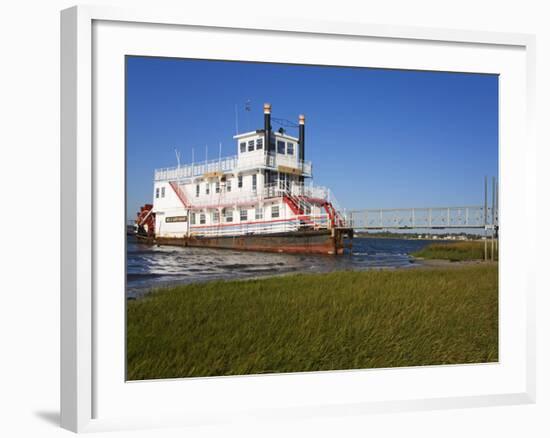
<point>261,199</point>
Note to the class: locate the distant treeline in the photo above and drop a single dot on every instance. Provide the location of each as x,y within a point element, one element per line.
<point>395,235</point>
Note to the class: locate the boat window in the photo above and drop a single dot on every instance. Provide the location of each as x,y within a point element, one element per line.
<point>290,148</point>
<point>193,218</point>
<point>250,145</point>
<point>228,185</point>
<point>274,211</point>
<point>254,182</point>
<point>259,213</point>
<point>215,216</point>
<point>259,143</point>
<point>228,214</point>
<point>198,190</point>
<point>244,214</point>
<point>280,147</point>
<point>162,192</point>
<point>207,188</point>
<point>202,218</point>
<point>157,193</point>
<point>240,181</point>
<point>217,187</point>
<point>243,147</point>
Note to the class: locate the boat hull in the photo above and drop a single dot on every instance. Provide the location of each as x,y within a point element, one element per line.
<point>328,242</point>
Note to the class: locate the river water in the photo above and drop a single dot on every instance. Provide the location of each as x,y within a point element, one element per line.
<point>154,266</point>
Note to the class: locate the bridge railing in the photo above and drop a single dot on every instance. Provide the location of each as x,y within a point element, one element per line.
<point>430,217</point>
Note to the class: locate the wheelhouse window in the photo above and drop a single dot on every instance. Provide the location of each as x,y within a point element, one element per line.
<point>244,214</point>
<point>259,143</point>
<point>274,211</point>
<point>280,147</point>
<point>243,147</point>
<point>290,148</point>
<point>157,191</point>
<point>254,182</point>
<point>202,218</point>
<point>240,181</point>
<point>259,213</point>
<point>250,145</point>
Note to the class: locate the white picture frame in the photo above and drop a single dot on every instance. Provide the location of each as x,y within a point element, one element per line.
<point>83,178</point>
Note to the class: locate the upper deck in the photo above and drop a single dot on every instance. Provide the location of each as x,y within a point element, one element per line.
<point>283,153</point>
<point>228,165</point>
<point>247,160</point>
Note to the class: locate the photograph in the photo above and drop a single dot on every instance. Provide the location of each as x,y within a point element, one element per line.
<point>289,218</point>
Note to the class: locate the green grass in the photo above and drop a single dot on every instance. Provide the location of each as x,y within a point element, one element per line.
<point>456,251</point>
<point>335,321</point>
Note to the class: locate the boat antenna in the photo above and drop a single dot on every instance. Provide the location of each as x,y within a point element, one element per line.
<point>178,160</point>
<point>177,156</point>
<point>248,109</point>
<point>236,120</point>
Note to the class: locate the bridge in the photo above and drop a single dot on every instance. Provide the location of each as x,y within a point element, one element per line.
<point>477,217</point>
<point>465,217</point>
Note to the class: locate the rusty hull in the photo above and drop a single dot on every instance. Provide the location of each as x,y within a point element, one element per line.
<point>327,242</point>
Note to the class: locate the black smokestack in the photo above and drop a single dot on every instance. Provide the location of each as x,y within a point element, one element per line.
<point>267,126</point>
<point>302,137</point>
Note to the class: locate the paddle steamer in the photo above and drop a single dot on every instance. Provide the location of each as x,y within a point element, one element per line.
<point>261,199</point>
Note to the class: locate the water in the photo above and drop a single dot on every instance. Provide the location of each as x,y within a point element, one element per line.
<point>153,266</point>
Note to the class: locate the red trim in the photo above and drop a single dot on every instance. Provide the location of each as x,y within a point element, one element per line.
<point>253,222</point>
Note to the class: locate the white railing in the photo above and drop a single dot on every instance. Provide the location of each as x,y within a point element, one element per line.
<point>228,164</point>
<point>306,196</point>
<point>274,190</point>
<point>222,199</point>
<point>281,188</point>
<point>343,215</point>
<point>225,164</point>
<point>306,222</point>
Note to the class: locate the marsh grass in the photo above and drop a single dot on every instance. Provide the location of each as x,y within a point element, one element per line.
<point>456,251</point>
<point>334,321</point>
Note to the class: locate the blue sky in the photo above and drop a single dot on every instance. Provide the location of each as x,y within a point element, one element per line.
<point>378,138</point>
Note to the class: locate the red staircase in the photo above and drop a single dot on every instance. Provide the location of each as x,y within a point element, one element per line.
<point>180,193</point>
<point>294,206</point>
<point>336,219</point>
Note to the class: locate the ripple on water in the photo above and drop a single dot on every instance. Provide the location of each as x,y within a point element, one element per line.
<point>155,266</point>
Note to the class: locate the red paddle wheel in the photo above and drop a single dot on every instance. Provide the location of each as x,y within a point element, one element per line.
<point>145,221</point>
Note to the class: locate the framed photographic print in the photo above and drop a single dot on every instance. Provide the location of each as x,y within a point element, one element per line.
<point>272,218</point>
